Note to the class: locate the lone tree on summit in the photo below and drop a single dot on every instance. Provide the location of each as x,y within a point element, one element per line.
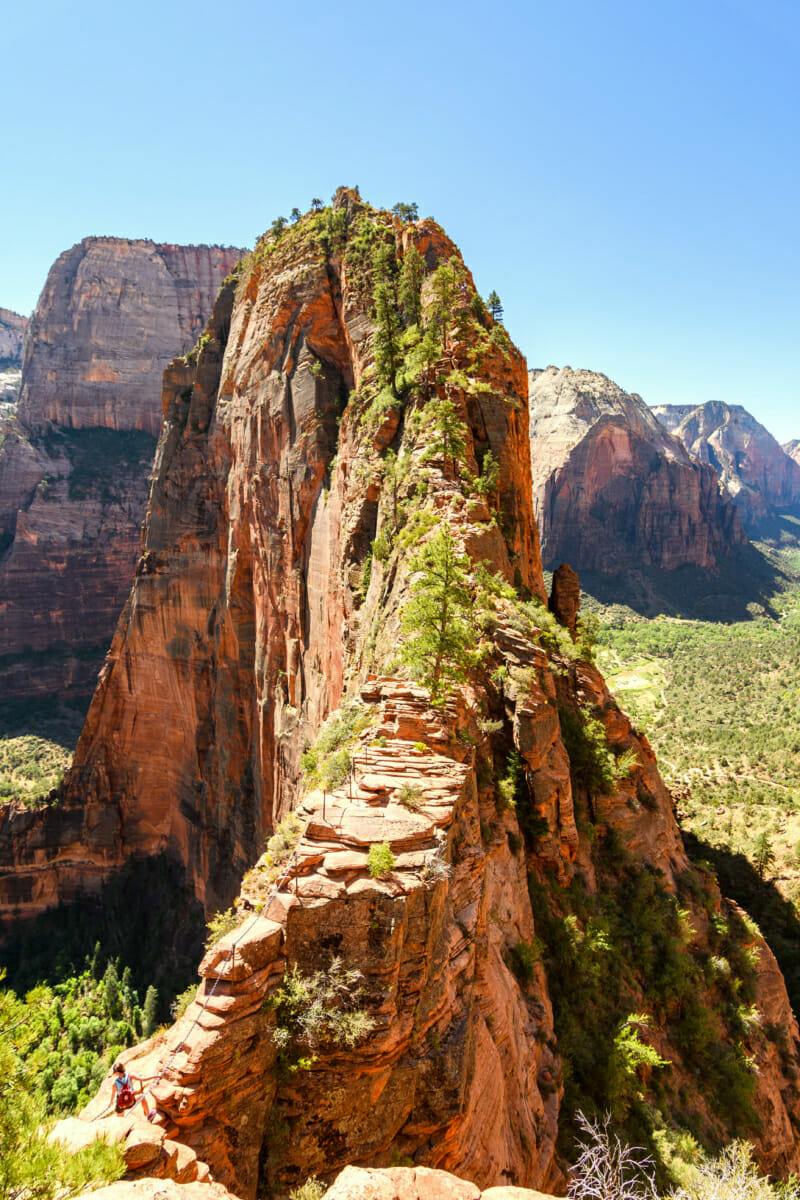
<point>438,633</point>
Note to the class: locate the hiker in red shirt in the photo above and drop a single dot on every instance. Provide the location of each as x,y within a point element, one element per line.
<point>122,1093</point>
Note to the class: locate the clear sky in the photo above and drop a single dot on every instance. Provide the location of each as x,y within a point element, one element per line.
<point>625,174</point>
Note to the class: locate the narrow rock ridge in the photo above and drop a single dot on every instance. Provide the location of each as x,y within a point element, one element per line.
<point>612,488</point>
<point>762,478</point>
<point>256,610</point>
<point>75,463</point>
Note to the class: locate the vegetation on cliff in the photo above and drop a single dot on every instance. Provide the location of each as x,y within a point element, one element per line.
<point>29,1165</point>
<point>721,707</point>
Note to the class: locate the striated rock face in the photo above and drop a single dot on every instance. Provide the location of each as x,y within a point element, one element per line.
<point>498,869</point>
<point>612,489</point>
<point>12,330</point>
<point>792,448</point>
<point>760,476</point>
<point>75,464</point>
<point>112,314</point>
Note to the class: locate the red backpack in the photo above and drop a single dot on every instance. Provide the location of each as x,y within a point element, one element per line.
<point>125,1096</point>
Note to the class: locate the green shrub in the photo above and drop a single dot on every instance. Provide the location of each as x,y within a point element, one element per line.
<point>522,960</point>
<point>220,924</point>
<point>319,1008</point>
<point>380,860</point>
<point>592,763</point>
<point>312,1189</point>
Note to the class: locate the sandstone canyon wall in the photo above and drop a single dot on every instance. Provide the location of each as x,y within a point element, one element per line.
<point>612,488</point>
<point>762,478</point>
<point>792,448</point>
<point>337,416</point>
<point>75,462</point>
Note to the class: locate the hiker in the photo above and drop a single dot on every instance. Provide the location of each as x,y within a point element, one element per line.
<point>122,1094</point>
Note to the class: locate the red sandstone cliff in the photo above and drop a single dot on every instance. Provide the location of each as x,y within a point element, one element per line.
<point>74,464</point>
<point>612,488</point>
<point>252,614</point>
<point>111,315</point>
<point>762,478</point>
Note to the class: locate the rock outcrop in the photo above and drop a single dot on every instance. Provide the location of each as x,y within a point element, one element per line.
<point>761,478</point>
<point>75,463</point>
<point>792,448</point>
<point>460,884</point>
<point>612,488</point>
<point>12,330</point>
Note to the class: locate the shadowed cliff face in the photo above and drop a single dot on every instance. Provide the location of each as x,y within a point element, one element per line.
<point>522,818</point>
<point>762,477</point>
<point>612,488</point>
<point>75,463</point>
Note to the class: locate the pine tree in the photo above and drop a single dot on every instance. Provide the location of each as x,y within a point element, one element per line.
<point>409,289</point>
<point>437,621</point>
<point>446,434</point>
<point>295,215</point>
<point>406,212</point>
<point>111,992</point>
<point>763,855</point>
<point>495,306</point>
<point>150,1014</point>
<point>387,321</point>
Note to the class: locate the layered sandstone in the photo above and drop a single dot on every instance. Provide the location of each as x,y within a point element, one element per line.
<point>760,476</point>
<point>792,448</point>
<point>278,555</point>
<point>75,464</point>
<point>111,315</point>
<point>612,488</point>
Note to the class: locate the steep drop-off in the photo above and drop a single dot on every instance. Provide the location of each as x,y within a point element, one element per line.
<point>75,463</point>
<point>503,869</point>
<point>612,489</point>
<point>761,477</point>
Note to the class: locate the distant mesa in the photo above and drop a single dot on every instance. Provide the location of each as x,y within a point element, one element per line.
<point>761,476</point>
<point>77,453</point>
<point>612,489</point>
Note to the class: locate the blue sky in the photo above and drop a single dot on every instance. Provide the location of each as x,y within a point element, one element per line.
<point>624,174</point>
